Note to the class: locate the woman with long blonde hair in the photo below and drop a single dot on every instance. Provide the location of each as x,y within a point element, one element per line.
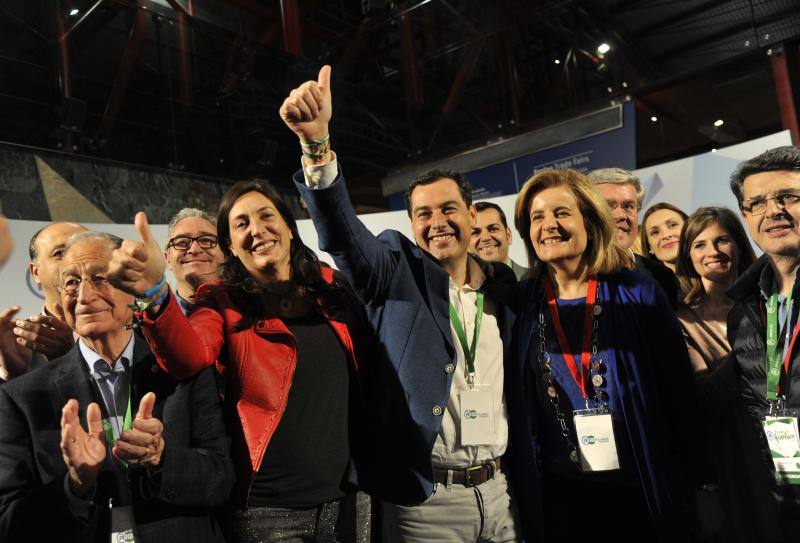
<point>606,371</point>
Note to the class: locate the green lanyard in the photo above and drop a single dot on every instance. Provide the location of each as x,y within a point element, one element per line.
<point>774,355</point>
<point>469,350</point>
<point>108,429</point>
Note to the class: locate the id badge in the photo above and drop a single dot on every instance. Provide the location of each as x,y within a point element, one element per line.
<point>595,432</point>
<point>122,525</point>
<point>784,446</point>
<point>477,417</point>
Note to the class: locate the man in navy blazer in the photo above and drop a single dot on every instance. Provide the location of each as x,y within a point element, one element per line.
<point>60,477</point>
<point>442,476</point>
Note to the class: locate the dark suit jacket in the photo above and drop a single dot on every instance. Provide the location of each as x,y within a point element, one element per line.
<point>197,471</point>
<point>521,272</point>
<point>661,274</point>
<point>406,295</point>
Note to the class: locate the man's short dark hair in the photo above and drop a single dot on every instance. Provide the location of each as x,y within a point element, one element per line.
<point>483,206</point>
<point>32,251</point>
<point>431,176</point>
<point>779,159</point>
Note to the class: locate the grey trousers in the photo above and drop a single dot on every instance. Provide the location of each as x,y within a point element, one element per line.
<point>455,513</point>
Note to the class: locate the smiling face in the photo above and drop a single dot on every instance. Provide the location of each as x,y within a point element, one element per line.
<point>490,238</point>
<point>49,252</point>
<point>260,238</point>
<point>96,311</point>
<point>776,231</point>
<point>621,197</point>
<point>663,228</point>
<point>195,264</point>
<point>441,221</point>
<point>714,254</point>
<point>558,231</point>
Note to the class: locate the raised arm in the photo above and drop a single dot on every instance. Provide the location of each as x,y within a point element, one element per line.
<point>366,261</point>
<point>182,348</point>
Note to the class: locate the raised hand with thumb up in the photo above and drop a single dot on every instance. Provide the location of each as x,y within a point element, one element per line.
<point>137,266</point>
<point>143,444</point>
<point>308,108</point>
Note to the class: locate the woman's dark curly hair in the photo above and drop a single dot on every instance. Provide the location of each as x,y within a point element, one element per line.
<point>306,278</point>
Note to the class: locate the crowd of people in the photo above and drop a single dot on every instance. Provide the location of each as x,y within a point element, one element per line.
<point>628,381</point>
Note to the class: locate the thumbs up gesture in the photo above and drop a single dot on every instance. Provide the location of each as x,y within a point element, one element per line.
<point>143,444</point>
<point>83,451</point>
<point>308,109</point>
<point>137,266</point>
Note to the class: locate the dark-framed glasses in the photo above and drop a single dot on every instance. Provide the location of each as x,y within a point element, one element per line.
<point>758,206</point>
<point>71,285</point>
<point>182,243</point>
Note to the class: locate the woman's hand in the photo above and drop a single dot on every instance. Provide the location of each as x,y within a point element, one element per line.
<point>137,266</point>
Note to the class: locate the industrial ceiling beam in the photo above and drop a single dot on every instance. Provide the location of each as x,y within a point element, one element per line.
<point>124,70</point>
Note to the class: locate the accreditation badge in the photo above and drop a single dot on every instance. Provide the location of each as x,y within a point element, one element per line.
<point>477,417</point>
<point>595,432</point>
<point>122,525</point>
<point>784,447</point>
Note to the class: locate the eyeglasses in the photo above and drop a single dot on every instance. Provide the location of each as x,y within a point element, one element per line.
<point>182,243</point>
<point>758,206</point>
<point>629,208</point>
<point>71,285</point>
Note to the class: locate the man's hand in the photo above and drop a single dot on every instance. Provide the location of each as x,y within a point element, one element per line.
<point>137,266</point>
<point>48,335</point>
<point>308,109</point>
<point>14,357</point>
<point>142,445</point>
<point>83,451</point>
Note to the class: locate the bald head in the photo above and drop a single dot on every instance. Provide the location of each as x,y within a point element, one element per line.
<point>46,250</point>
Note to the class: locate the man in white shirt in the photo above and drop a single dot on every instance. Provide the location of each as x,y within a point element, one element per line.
<point>441,423</point>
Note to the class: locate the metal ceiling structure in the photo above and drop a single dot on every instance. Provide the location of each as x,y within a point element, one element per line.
<point>195,84</point>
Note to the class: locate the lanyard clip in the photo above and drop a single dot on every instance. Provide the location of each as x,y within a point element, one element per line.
<point>777,407</point>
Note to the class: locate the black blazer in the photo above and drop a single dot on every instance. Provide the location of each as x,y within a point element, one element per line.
<point>197,470</point>
<point>661,274</point>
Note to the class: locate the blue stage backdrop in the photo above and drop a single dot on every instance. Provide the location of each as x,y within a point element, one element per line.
<point>615,148</point>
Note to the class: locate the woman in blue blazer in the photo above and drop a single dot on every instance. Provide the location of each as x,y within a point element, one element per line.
<point>606,373</point>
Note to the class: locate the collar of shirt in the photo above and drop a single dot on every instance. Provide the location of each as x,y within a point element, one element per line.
<point>475,274</point>
<point>90,357</point>
<point>185,304</point>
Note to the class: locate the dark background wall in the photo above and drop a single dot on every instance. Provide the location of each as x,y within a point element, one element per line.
<point>45,186</point>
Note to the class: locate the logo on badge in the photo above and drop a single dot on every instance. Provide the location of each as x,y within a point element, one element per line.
<point>470,414</point>
<point>588,440</point>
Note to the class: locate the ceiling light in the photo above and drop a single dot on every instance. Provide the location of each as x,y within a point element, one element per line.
<point>73,12</point>
<point>557,61</point>
<point>718,123</point>
<point>654,119</point>
<point>603,48</point>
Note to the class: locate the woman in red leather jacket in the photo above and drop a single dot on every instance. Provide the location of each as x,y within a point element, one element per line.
<point>285,332</point>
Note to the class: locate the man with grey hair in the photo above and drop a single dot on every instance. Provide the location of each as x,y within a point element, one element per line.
<point>624,193</point>
<point>101,438</point>
<point>192,253</point>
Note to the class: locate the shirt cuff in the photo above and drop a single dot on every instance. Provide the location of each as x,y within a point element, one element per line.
<point>320,176</point>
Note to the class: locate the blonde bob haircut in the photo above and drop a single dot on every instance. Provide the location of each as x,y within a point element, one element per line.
<point>603,254</point>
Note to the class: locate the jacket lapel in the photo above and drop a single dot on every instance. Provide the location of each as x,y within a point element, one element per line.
<point>437,285</point>
<point>74,381</point>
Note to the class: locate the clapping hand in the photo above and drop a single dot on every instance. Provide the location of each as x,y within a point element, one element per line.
<point>83,451</point>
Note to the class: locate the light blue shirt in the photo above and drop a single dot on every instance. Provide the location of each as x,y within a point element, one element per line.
<point>114,383</point>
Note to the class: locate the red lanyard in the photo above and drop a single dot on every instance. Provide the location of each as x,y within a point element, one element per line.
<point>591,297</point>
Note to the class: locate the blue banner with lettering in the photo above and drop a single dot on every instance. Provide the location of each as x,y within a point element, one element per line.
<point>616,148</point>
